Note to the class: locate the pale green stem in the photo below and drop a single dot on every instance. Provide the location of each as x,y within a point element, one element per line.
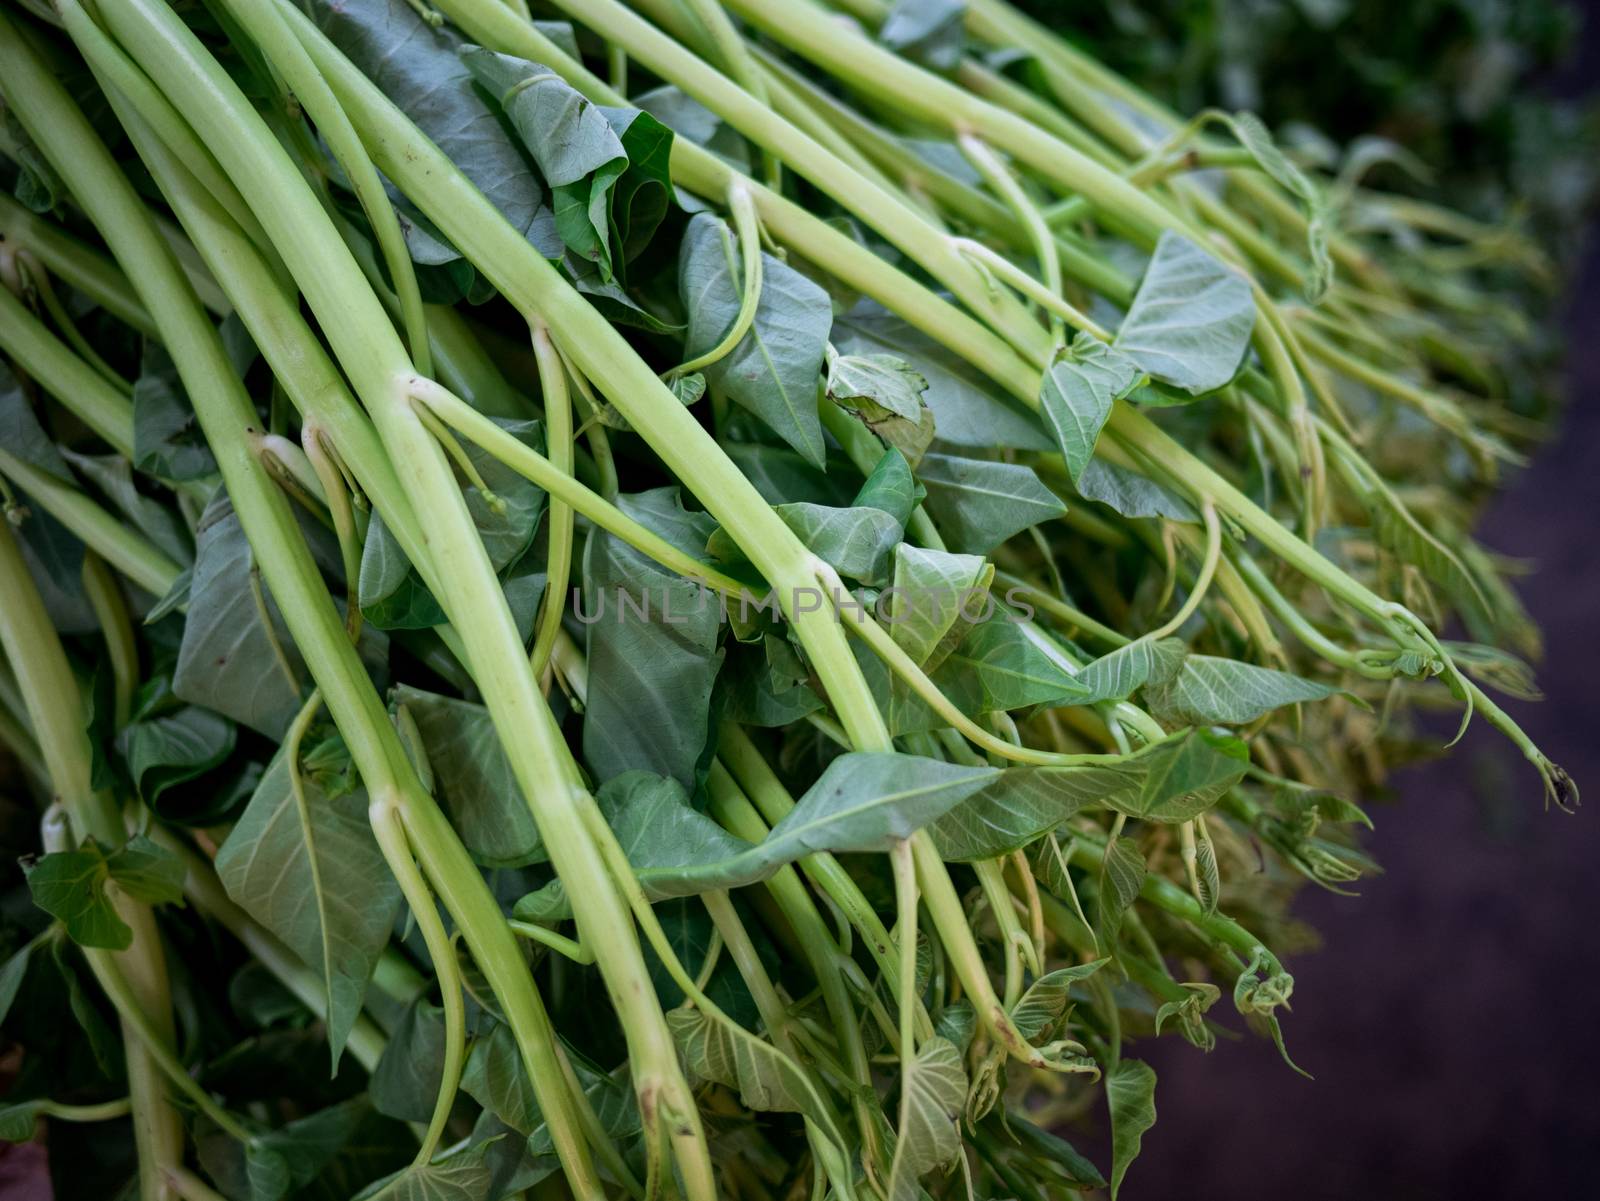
<point>111,614</point>
<point>123,548</point>
<point>748,228</point>
<point>81,389</point>
<point>352,319</point>
<point>1005,185</point>
<point>1208,567</point>
<point>1041,294</point>
<point>87,270</point>
<point>388,824</point>
<point>558,441</point>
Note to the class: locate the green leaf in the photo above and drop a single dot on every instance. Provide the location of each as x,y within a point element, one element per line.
<point>1190,322</point>
<point>652,647</point>
<point>463,1175</point>
<point>1004,663</point>
<point>1077,393</point>
<point>929,1137</point>
<point>1131,1097</point>
<point>1170,781</point>
<point>766,1079</point>
<point>494,1077</point>
<point>167,441</point>
<point>1190,1013</point>
<point>643,194</point>
<point>1117,675</point>
<point>891,487</point>
<point>38,187</point>
<point>417,66</point>
<point>473,779</point>
<point>930,32</point>
<point>1054,1149</point>
<point>864,801</point>
<point>688,118</point>
<point>967,409</point>
<point>923,607</point>
<point>979,503</point>
<point>578,152</point>
<point>1224,692</point>
<point>71,886</point>
<point>1122,873</point>
<point>391,593</point>
<point>773,371</point>
<point>857,542</point>
<point>506,529</point>
<point>18,1122</point>
<point>1131,494</point>
<point>163,752</point>
<point>886,380</point>
<point>11,976</point>
<point>1043,1006</point>
<point>405,1084</point>
<point>313,875</point>
<point>147,871</point>
<point>22,435</point>
<point>228,661</point>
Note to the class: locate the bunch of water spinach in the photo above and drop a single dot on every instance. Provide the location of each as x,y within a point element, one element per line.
<point>685,599</point>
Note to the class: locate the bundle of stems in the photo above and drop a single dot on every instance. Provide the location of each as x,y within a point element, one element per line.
<point>733,597</point>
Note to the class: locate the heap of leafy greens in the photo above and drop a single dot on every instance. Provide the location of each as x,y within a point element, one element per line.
<point>690,599</point>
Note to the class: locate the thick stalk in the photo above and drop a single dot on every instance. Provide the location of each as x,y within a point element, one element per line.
<point>55,710</point>
<point>371,354</point>
<point>81,389</point>
<point>80,265</point>
<point>227,417</point>
<point>124,549</point>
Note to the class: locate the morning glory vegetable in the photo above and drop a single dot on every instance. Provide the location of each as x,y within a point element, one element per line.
<point>689,599</point>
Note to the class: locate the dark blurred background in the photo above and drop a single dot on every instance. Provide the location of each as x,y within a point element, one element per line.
<point>1449,1018</point>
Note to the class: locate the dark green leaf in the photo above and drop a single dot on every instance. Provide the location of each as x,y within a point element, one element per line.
<point>578,153</point>
<point>167,441</point>
<point>1004,663</point>
<point>22,435</point>
<point>652,645</point>
<point>308,868</point>
<point>1130,493</point>
<point>1190,322</point>
<point>1211,691</point>
<point>1077,393</point>
<point>891,487</point>
<point>473,779</point>
<point>931,32</point>
<point>417,66</point>
<point>979,503</point>
<point>405,1084</point>
<point>163,752</point>
<point>773,371</point>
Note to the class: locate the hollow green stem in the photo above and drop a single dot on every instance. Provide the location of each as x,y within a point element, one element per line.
<point>558,441</point>
<point>81,389</point>
<point>748,229</point>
